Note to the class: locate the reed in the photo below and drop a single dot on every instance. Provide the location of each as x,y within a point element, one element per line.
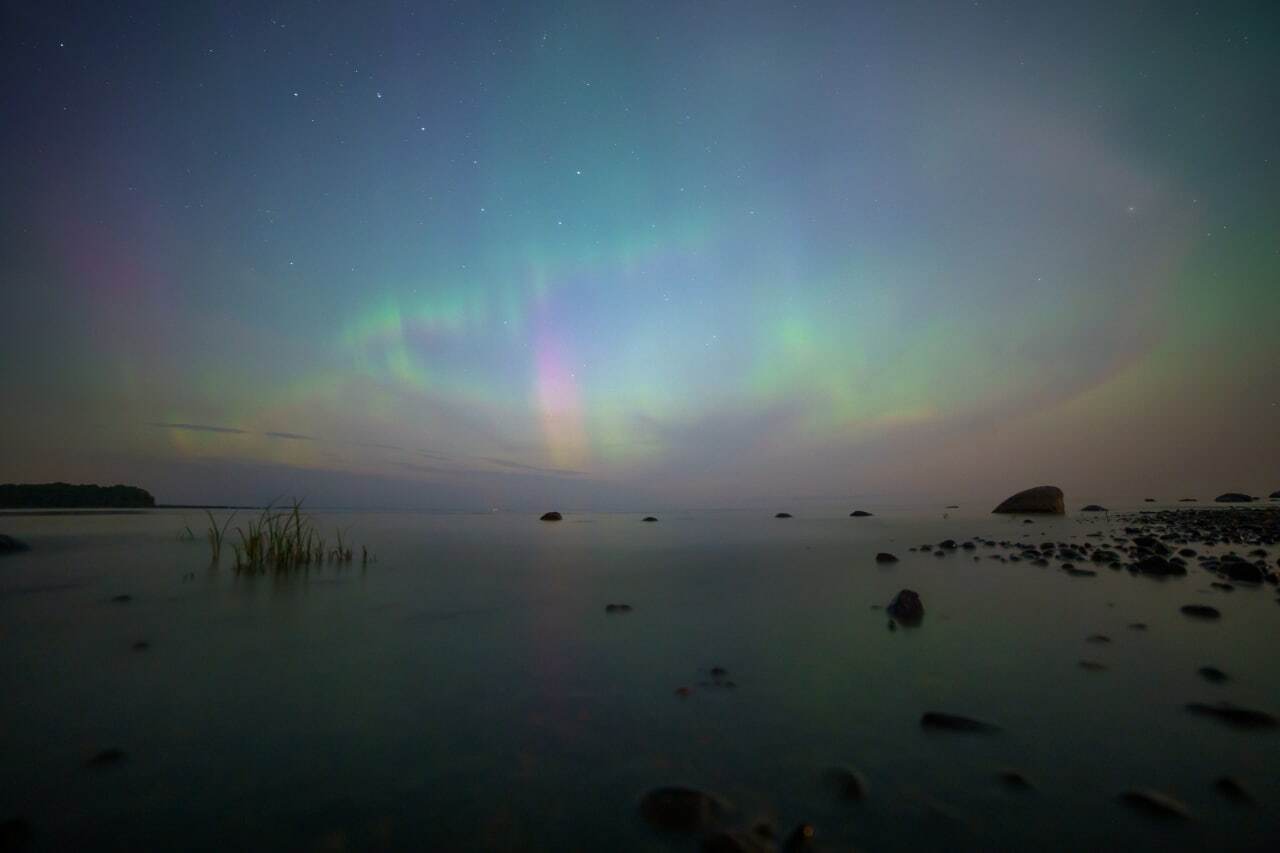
<point>283,541</point>
<point>216,534</point>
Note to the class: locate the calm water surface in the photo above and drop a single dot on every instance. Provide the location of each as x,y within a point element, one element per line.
<point>468,691</point>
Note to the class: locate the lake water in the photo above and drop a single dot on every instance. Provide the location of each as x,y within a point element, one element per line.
<point>468,691</point>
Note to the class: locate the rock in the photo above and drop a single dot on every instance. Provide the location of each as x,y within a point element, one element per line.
<point>886,557</point>
<point>1232,789</point>
<point>9,545</point>
<point>1155,566</point>
<point>1041,499</point>
<point>107,758</point>
<point>782,515</point>
<point>859,513</point>
<point>1200,611</point>
<point>848,784</point>
<point>1149,500</point>
<point>955,723</point>
<point>681,809</point>
<point>800,839</point>
<point>1155,804</point>
<point>141,646</point>
<point>617,608</point>
<point>1138,626</point>
<point>1233,498</point>
<point>1186,500</point>
<point>1213,674</point>
<point>1275,496</point>
<point>1097,638</point>
<point>1015,780</point>
<point>1241,570</point>
<point>648,518</point>
<point>1093,508</point>
<point>1078,573</point>
<point>552,516</point>
<point>1234,715</point>
<point>906,607</point>
<point>121,599</point>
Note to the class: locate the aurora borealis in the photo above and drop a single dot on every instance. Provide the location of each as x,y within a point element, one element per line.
<point>624,254</point>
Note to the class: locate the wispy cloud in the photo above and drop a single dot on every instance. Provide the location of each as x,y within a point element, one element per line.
<point>520,466</point>
<point>289,435</point>
<point>199,428</point>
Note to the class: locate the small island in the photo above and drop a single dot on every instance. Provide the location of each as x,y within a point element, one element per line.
<point>69,496</point>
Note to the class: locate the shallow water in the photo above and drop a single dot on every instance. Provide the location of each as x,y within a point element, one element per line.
<point>467,691</point>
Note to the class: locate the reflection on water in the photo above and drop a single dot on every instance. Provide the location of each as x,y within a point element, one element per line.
<point>470,691</point>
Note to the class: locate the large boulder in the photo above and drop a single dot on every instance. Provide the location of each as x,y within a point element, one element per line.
<point>552,516</point>
<point>1041,499</point>
<point>906,607</point>
<point>1275,496</point>
<point>1233,498</point>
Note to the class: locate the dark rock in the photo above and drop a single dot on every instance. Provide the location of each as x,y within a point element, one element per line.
<point>107,758</point>
<point>886,557</point>
<point>648,518</point>
<point>859,513</point>
<point>1240,570</point>
<point>9,545</point>
<point>1156,567</point>
<point>1213,674</point>
<point>800,839</point>
<point>1078,573</point>
<point>1275,496</point>
<point>948,545</point>
<point>1041,499</point>
<point>141,646</point>
<point>1149,500</point>
<point>552,516</point>
<point>1138,626</point>
<point>1200,611</point>
<point>782,515</point>
<point>1155,804</point>
<point>718,672</point>
<point>1232,789</point>
<point>1093,508</point>
<point>1233,498</point>
<point>1097,638</point>
<point>681,809</point>
<point>617,608</point>
<point>954,723</point>
<point>1186,500</point>
<point>1234,715</point>
<point>121,599</point>
<point>848,784</point>
<point>1015,780</point>
<point>906,607</point>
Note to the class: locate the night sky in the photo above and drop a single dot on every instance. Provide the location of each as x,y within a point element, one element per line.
<point>640,254</point>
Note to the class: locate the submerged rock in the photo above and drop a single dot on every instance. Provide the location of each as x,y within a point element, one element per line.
<point>1231,788</point>
<point>9,545</point>
<point>648,518</point>
<point>1015,780</point>
<point>886,557</point>
<point>1233,498</point>
<point>859,513</point>
<point>782,515</point>
<point>1041,499</point>
<point>681,809</point>
<point>617,608</point>
<point>906,607</point>
<point>552,516</point>
<point>107,758</point>
<point>1212,674</point>
<point>1200,611</point>
<point>121,599</point>
<point>1155,804</point>
<point>1093,508</point>
<point>848,784</point>
<point>1234,715</point>
<point>1275,496</point>
<point>955,723</point>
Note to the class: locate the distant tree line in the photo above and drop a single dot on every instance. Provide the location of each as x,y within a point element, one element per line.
<point>66,495</point>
